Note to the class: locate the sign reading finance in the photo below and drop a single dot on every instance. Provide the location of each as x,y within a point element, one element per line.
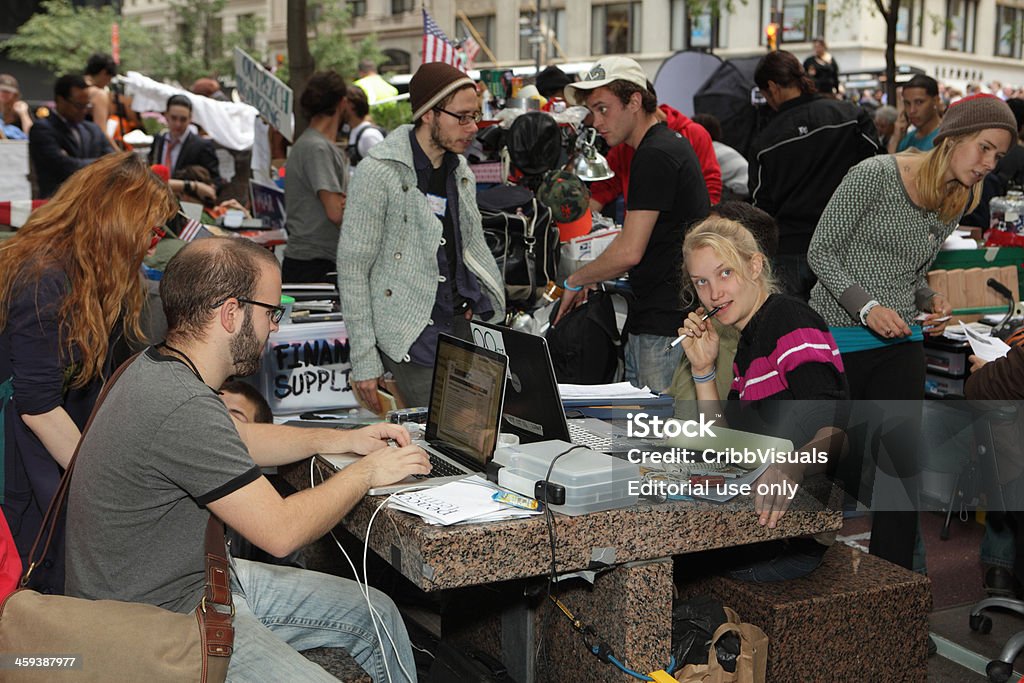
<point>266,92</point>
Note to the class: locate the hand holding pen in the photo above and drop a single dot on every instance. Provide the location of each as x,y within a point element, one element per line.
<point>685,333</point>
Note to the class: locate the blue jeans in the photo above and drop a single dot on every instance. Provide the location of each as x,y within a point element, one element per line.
<point>280,611</point>
<point>649,363</point>
<point>998,546</point>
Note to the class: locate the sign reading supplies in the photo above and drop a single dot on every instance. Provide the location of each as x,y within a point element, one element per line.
<point>266,92</point>
<point>306,367</point>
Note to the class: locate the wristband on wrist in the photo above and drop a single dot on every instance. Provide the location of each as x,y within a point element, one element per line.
<point>566,285</point>
<point>702,379</point>
<point>867,309</point>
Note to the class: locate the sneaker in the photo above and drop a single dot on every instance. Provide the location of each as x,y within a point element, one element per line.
<point>1000,583</point>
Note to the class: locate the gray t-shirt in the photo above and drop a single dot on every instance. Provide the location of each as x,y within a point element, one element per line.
<point>161,448</point>
<point>314,164</point>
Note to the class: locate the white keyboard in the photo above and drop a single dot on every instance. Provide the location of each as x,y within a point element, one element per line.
<point>584,437</point>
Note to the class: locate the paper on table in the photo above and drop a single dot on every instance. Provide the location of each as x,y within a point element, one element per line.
<point>956,332</point>
<point>456,502</point>
<point>985,348</point>
<point>731,488</point>
<point>590,391</point>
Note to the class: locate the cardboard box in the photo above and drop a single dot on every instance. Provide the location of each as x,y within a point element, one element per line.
<point>589,247</point>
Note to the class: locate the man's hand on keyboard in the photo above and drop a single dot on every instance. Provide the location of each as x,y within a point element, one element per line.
<point>388,465</point>
<point>368,439</point>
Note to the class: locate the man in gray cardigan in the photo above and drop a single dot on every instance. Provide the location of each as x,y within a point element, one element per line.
<point>412,260</point>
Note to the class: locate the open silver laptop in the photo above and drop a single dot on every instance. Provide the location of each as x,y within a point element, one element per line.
<point>463,419</point>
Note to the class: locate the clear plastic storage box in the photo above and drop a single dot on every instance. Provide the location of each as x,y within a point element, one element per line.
<point>593,481</point>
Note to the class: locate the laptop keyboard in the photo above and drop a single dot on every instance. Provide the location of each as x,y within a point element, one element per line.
<point>439,467</point>
<point>582,436</point>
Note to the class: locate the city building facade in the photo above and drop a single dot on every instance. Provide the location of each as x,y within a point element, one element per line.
<point>959,41</point>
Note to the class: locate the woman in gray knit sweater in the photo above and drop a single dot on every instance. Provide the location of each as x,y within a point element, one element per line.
<point>871,251</point>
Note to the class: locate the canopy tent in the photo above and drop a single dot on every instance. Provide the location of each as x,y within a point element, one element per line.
<point>729,95</point>
<point>229,123</point>
<point>681,75</point>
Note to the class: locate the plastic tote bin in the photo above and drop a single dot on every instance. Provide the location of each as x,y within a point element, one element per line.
<point>306,367</point>
<point>593,481</point>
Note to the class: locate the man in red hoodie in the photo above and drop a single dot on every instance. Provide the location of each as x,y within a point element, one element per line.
<point>621,156</point>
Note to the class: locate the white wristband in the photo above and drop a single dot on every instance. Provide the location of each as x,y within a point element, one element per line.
<point>867,309</point>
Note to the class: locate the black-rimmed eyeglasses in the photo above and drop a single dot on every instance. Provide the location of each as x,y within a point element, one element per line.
<point>464,119</point>
<point>275,315</point>
<point>277,311</point>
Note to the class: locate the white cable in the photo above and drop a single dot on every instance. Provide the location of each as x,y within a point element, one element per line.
<point>363,586</point>
<point>366,546</point>
<point>364,591</point>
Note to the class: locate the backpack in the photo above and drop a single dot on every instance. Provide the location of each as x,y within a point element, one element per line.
<point>585,346</point>
<point>523,240</point>
<point>354,157</point>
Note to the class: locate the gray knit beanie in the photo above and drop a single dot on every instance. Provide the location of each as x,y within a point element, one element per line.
<point>976,113</point>
<point>433,82</point>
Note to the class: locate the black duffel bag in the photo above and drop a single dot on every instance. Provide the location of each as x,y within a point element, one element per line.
<point>522,238</point>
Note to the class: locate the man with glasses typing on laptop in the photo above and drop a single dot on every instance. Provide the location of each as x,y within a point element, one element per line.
<point>412,259</point>
<point>163,454</point>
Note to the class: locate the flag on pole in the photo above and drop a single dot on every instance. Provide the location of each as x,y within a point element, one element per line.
<point>470,49</point>
<point>436,46</point>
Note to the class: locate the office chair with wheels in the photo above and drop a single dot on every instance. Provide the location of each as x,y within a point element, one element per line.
<point>997,425</point>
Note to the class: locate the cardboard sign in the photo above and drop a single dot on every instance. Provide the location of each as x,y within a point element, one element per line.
<point>14,183</point>
<point>266,92</point>
<point>306,367</point>
<point>268,204</point>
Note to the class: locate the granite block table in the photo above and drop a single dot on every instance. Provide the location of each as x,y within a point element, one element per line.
<point>495,575</point>
<point>855,618</point>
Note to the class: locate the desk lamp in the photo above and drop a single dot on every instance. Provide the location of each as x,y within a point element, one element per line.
<point>586,162</point>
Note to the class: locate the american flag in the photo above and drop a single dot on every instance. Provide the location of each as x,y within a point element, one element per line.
<point>470,49</point>
<point>14,213</point>
<point>436,46</point>
<point>193,229</point>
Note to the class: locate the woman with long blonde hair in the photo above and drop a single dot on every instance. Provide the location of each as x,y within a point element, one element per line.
<point>787,378</point>
<point>872,249</point>
<point>70,287</point>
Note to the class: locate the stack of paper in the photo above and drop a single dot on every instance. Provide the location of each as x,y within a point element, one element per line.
<point>958,331</point>
<point>618,390</point>
<point>986,348</point>
<point>464,501</point>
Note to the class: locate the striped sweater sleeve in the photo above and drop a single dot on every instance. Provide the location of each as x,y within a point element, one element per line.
<point>769,375</point>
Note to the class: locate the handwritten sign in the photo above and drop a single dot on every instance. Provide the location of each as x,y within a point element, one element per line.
<point>266,92</point>
<point>307,367</point>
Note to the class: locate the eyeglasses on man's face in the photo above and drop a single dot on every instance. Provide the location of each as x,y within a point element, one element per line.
<point>80,106</point>
<point>277,312</point>
<point>464,119</point>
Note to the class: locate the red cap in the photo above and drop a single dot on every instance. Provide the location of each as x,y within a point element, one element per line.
<point>162,171</point>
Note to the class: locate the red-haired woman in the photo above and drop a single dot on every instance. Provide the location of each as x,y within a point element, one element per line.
<point>69,288</point>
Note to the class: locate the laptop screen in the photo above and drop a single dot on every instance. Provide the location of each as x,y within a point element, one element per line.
<point>533,409</point>
<point>465,400</point>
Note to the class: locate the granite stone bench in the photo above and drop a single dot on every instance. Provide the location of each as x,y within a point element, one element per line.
<point>339,664</point>
<point>856,618</point>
